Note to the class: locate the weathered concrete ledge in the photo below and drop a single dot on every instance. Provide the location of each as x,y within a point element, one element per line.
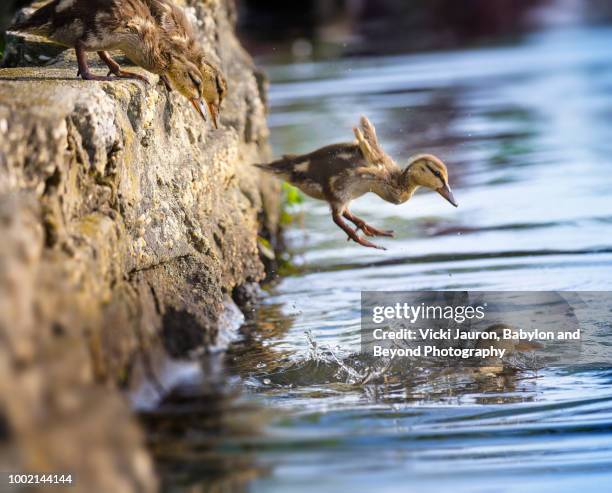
<point>125,223</point>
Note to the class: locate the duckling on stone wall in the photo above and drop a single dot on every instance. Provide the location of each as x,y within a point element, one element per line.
<point>133,27</point>
<point>340,173</point>
<point>179,35</point>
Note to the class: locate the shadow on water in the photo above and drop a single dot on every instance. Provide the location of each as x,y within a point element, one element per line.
<point>525,132</point>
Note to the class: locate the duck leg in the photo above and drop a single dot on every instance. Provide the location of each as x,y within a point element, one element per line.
<point>365,227</point>
<point>349,231</point>
<point>84,72</point>
<point>166,82</point>
<point>115,69</point>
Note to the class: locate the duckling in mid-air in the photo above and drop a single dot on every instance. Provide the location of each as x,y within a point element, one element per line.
<point>133,27</point>
<point>340,173</point>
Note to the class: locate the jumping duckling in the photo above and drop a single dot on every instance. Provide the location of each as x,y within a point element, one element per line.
<point>130,26</point>
<point>341,173</point>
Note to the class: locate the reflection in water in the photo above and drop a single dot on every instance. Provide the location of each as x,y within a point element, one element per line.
<point>525,131</point>
<point>191,433</point>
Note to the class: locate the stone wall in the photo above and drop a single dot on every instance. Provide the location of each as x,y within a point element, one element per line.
<point>126,223</point>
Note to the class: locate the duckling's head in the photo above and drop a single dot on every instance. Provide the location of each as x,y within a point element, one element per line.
<point>186,78</point>
<point>426,170</point>
<point>200,82</point>
<point>214,87</point>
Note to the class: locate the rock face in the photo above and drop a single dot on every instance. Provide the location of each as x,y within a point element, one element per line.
<point>125,224</point>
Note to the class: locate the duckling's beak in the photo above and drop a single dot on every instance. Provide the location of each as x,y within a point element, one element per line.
<point>198,104</point>
<point>214,113</point>
<point>446,192</point>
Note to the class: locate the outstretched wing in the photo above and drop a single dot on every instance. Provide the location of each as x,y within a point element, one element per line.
<point>371,148</point>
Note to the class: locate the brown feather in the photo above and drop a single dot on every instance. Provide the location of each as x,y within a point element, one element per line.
<point>371,148</point>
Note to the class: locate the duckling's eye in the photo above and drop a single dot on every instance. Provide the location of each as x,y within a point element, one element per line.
<point>435,172</point>
<point>197,82</point>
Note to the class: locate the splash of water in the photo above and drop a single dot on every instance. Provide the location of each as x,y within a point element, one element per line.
<point>323,353</point>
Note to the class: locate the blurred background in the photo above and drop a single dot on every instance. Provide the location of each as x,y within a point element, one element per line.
<point>7,10</point>
<point>349,27</point>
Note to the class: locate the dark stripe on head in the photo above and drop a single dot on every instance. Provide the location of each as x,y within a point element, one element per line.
<point>435,172</point>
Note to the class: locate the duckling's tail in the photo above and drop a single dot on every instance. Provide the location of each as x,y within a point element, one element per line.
<point>265,167</point>
<point>270,168</point>
<point>40,22</point>
<point>279,167</point>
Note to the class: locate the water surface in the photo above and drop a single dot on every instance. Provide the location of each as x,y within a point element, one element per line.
<point>526,132</point>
